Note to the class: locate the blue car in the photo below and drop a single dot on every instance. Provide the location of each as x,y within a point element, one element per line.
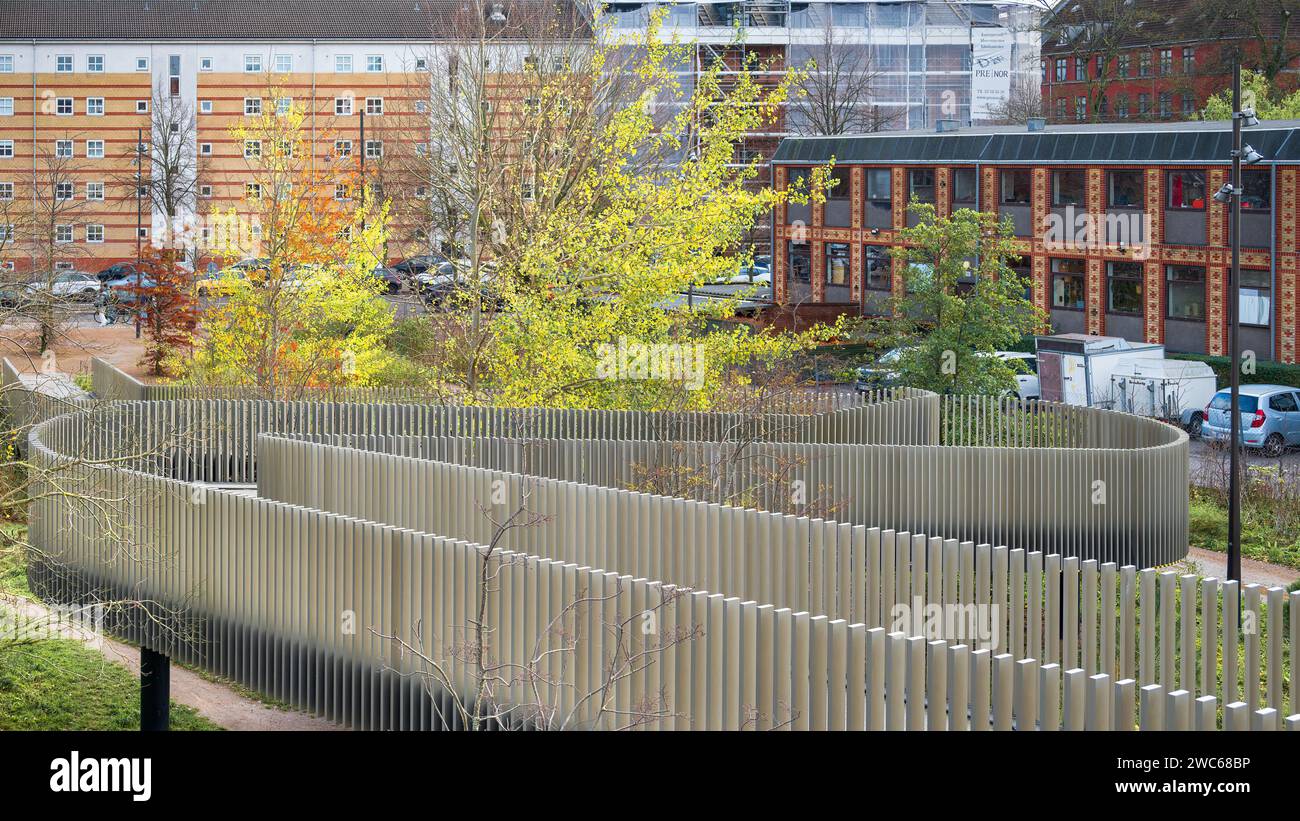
<point>1270,418</point>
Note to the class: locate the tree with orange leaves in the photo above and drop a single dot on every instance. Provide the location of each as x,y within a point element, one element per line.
<point>168,310</point>
<point>305,309</point>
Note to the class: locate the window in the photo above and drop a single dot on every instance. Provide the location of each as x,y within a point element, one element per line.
<point>252,63</point>
<point>63,64</point>
<point>283,63</point>
<point>6,149</point>
<point>1068,284</point>
<point>421,64</point>
<point>1144,64</point>
<point>800,263</point>
<point>62,191</point>
<point>374,149</point>
<point>1043,65</point>
<point>1256,190</point>
<point>837,263</point>
<point>1189,105</point>
<point>63,149</point>
<point>6,106</point>
<point>95,63</point>
<point>422,107</point>
<point>252,190</point>
<point>374,105</point>
<point>94,233</point>
<point>1017,186</point>
<point>1080,108</point>
<point>880,273</point>
<point>878,183</point>
<point>283,106</point>
<point>1255,305</point>
<point>95,106</point>
<point>920,184</point>
<point>1124,288</point>
<point>1068,187</point>
<point>1060,108</point>
<point>141,106</point>
<point>205,106</point>
<point>95,149</point>
<point>1123,65</point>
<point>1121,106</point>
<point>205,149</point>
<point>374,62</point>
<point>252,106</point>
<point>341,191</point>
<point>1060,70</point>
<point>252,149</point>
<point>1189,60</point>
<point>342,106</point>
<point>1144,104</point>
<point>142,233</point>
<point>142,64</point>
<point>343,148</point>
<point>63,233</point>
<point>63,106</point>
<point>1185,292</point>
<point>1187,189</point>
<point>1166,61</point>
<point>6,64</point>
<point>6,191</point>
<point>1080,68</point>
<point>964,186</point>
<point>343,63</point>
<point>7,234</point>
<point>1165,103</point>
<point>1124,189</point>
<point>205,64</point>
<point>95,191</point>
<point>205,191</point>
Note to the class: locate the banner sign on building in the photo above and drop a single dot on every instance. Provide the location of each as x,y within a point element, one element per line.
<point>990,70</point>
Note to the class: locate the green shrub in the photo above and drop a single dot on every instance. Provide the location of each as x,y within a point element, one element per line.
<point>1265,372</point>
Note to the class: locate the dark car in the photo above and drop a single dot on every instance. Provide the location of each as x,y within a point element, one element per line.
<point>415,266</point>
<point>119,270</point>
<point>391,279</point>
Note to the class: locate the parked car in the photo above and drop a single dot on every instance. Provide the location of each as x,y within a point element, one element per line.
<point>1270,417</point>
<point>15,296</point>
<point>67,284</point>
<point>220,283</point>
<point>392,280</point>
<point>116,271</point>
<point>880,375</point>
<point>414,266</point>
<point>1026,377</point>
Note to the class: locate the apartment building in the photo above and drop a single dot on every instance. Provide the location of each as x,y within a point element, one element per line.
<point>79,80</point>
<point>1117,225</point>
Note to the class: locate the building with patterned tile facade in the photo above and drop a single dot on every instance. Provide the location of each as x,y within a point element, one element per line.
<point>1155,267</point>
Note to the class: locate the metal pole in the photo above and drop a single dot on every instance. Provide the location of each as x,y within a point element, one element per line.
<point>155,690</point>
<point>362,192</point>
<point>1234,346</point>
<point>139,219</point>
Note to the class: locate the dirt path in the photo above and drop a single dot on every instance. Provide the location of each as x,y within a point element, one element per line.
<point>215,702</point>
<point>1210,563</point>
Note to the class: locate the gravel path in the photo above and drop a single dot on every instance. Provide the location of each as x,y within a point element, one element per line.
<point>1210,563</point>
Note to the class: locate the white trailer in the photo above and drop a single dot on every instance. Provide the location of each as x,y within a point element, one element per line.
<point>1076,368</point>
<point>1165,388</point>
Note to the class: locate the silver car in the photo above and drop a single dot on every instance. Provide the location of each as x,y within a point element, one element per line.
<point>1270,417</point>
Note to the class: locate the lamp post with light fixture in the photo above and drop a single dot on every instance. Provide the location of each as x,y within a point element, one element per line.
<point>1231,193</point>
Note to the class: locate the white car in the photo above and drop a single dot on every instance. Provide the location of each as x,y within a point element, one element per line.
<point>1026,381</point>
<point>69,284</point>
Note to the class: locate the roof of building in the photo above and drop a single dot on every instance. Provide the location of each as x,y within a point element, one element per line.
<point>1159,22</point>
<point>1198,143</point>
<point>252,20</point>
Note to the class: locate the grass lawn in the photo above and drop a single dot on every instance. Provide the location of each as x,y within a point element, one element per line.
<point>1270,528</point>
<point>64,685</point>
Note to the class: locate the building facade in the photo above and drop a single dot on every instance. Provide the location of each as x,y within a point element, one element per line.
<point>1161,60</point>
<point>1154,268</point>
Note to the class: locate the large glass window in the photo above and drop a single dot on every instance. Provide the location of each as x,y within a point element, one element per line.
<point>1187,189</point>
<point>964,185</point>
<point>1124,288</point>
<point>878,183</point>
<point>1125,189</point>
<point>1017,186</point>
<point>880,269</point>
<point>837,263</point>
<point>1186,292</point>
<point>920,184</point>
<point>1068,187</point>
<point>1068,284</point>
<point>1257,190</point>
<point>841,187</point>
<point>800,263</point>
<point>1256,304</point>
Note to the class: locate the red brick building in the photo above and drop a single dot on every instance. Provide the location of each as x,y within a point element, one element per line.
<point>1156,268</point>
<point>1157,59</point>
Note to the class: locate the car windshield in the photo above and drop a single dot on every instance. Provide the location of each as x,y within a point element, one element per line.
<point>1222,401</point>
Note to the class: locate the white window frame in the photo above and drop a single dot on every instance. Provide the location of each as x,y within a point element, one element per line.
<point>6,64</point>
<point>64,149</point>
<point>205,64</point>
<point>371,66</point>
<point>342,63</point>
<point>90,63</point>
<point>91,106</point>
<point>61,231</point>
<point>252,106</point>
<point>280,57</point>
<point>252,191</point>
<point>94,149</point>
<point>64,266</point>
<point>376,154</point>
<point>91,230</point>
<point>283,106</point>
<point>141,106</point>
<point>346,103</point>
<point>343,148</point>
<point>6,106</point>
<point>205,191</point>
<point>142,64</point>
<point>94,194</point>
<point>252,63</point>
<point>64,192</point>
<point>64,64</point>
<point>205,149</point>
<point>64,106</point>
<point>6,186</point>
<point>6,149</point>
<point>205,106</point>
<point>374,106</point>
<point>252,149</point>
